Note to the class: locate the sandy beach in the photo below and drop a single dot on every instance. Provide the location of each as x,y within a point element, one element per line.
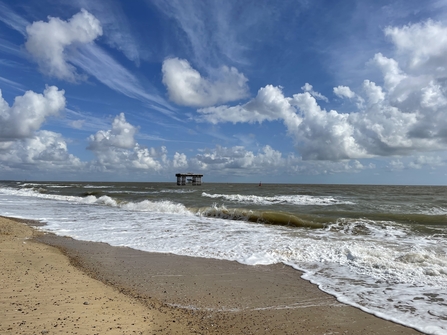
<point>53,284</point>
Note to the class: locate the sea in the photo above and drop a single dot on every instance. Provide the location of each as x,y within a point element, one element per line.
<point>382,249</point>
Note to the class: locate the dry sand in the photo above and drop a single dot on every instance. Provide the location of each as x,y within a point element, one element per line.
<point>57,285</point>
<point>42,293</point>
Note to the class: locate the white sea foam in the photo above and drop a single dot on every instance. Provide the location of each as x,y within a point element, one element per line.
<point>434,211</point>
<point>172,191</point>
<point>47,185</point>
<point>129,192</point>
<point>142,206</point>
<point>177,191</point>
<point>96,186</point>
<point>279,199</point>
<point>157,206</point>
<point>358,228</point>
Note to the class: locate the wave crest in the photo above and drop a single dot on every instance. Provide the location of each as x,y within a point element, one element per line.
<point>265,217</point>
<point>279,199</point>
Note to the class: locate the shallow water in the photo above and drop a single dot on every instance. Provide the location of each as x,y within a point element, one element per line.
<point>380,248</point>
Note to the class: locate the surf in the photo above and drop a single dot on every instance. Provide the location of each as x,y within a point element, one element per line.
<point>263,217</point>
<point>296,199</point>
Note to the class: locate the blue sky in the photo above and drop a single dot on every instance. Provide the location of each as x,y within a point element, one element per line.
<point>241,91</point>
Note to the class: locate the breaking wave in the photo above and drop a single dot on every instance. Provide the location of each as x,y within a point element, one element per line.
<point>265,217</point>
<point>279,199</point>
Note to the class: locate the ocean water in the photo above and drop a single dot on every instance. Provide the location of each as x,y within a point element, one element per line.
<point>380,248</point>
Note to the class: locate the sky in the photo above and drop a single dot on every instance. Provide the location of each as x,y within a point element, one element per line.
<point>292,91</point>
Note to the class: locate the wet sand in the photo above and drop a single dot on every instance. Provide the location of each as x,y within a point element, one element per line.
<point>53,284</point>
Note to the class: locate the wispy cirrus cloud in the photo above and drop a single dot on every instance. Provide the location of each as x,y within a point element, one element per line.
<point>99,64</point>
<point>12,19</point>
<point>12,84</point>
<point>117,29</point>
<point>82,120</point>
<point>216,33</point>
<point>209,31</point>
<point>9,48</point>
<point>16,22</point>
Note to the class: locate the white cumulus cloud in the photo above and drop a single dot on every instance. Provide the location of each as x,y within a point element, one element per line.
<point>120,136</point>
<point>238,160</point>
<point>45,151</point>
<point>49,42</point>
<point>420,45</point>
<point>23,145</point>
<point>402,115</point>
<point>29,112</point>
<point>116,149</point>
<point>180,161</point>
<point>187,87</point>
<point>269,105</point>
<point>344,92</point>
<point>317,95</point>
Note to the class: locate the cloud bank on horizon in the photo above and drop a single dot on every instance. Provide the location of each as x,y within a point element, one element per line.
<point>239,92</point>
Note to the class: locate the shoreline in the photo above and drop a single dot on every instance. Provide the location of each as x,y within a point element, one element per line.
<point>187,295</point>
